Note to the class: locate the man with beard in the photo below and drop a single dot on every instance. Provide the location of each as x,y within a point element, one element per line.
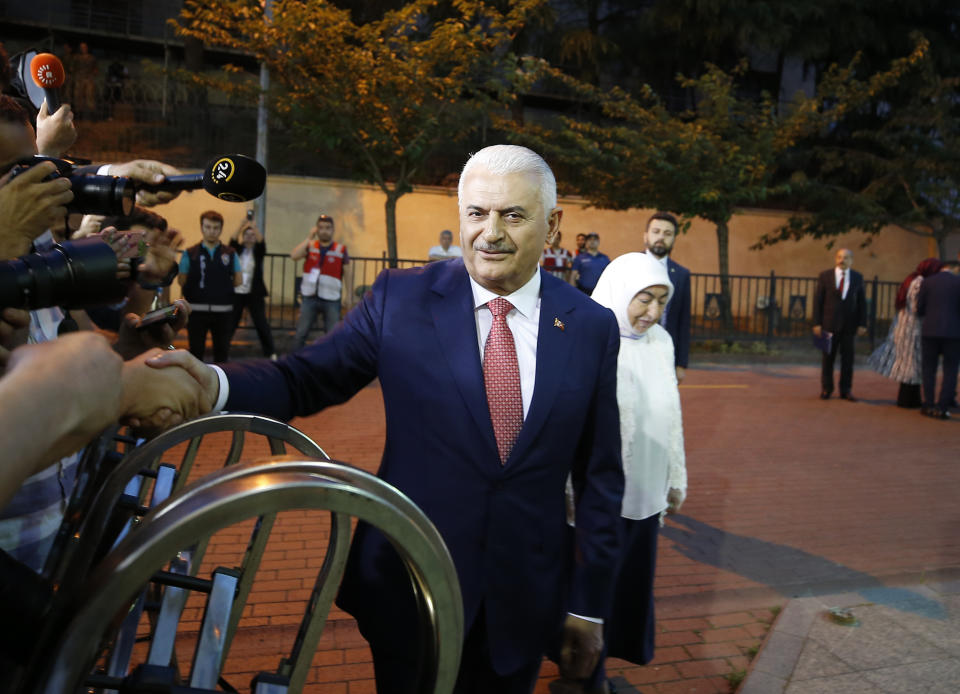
<point>659,238</point>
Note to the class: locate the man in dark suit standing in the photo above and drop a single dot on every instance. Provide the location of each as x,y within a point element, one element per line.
<point>659,238</point>
<point>939,304</point>
<point>498,381</point>
<point>839,308</point>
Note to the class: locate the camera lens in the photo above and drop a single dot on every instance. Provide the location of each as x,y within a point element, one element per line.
<point>111,196</point>
<point>72,275</point>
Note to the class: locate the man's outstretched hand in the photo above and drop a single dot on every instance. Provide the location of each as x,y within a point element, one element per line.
<point>163,388</point>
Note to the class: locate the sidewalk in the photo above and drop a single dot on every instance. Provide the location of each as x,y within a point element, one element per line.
<point>888,640</point>
<point>790,499</point>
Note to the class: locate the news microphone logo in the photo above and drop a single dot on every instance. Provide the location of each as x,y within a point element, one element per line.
<point>220,174</point>
<point>46,77</point>
<point>48,74</point>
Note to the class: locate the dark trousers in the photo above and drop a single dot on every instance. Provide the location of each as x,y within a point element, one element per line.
<point>629,631</point>
<point>258,314</point>
<point>930,350</point>
<point>394,666</point>
<point>842,343</point>
<point>220,326</point>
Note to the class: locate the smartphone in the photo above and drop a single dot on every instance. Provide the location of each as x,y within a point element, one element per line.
<point>167,314</point>
<point>250,215</point>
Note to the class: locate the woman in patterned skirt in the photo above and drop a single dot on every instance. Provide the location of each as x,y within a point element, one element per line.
<point>899,355</point>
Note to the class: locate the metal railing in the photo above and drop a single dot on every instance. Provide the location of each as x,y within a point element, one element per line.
<point>773,308</point>
<point>768,308</point>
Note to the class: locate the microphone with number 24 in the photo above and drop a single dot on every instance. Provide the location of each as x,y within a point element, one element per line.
<point>48,74</point>
<point>231,178</point>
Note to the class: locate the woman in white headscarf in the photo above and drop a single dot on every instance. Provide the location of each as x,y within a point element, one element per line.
<point>636,287</point>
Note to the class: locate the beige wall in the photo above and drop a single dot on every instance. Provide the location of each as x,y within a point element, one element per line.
<point>293,204</point>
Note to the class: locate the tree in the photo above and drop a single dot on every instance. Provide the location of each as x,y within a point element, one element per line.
<point>708,161</point>
<point>894,163</point>
<point>387,92</point>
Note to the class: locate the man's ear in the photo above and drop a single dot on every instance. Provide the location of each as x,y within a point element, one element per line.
<point>553,222</point>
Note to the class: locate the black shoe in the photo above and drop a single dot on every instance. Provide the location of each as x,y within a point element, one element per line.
<point>850,397</point>
<point>935,413</point>
<point>824,394</point>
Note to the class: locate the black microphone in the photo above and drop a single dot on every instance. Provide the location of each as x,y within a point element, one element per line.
<point>48,74</point>
<point>231,178</point>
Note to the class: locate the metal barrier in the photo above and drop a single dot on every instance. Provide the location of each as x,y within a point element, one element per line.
<point>772,308</point>
<point>154,564</point>
<point>761,307</point>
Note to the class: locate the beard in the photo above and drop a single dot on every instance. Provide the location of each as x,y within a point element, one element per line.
<point>659,250</point>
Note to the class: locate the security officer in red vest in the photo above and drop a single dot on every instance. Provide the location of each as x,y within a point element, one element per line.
<point>322,278</point>
<point>208,273</point>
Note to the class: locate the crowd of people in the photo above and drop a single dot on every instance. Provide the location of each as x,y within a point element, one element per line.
<point>533,412</point>
<point>925,329</point>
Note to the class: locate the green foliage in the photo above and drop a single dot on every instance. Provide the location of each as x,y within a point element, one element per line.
<point>385,92</point>
<point>894,162</point>
<point>735,678</point>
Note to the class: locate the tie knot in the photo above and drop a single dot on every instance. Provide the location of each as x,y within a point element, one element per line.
<point>499,306</point>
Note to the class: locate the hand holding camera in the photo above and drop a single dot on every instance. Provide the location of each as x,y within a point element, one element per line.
<point>31,201</point>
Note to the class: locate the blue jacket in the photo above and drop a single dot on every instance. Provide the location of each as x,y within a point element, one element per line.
<point>504,524</point>
<point>678,312</point>
<point>939,303</point>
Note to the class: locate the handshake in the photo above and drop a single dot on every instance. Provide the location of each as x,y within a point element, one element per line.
<point>162,388</point>
<point>72,388</point>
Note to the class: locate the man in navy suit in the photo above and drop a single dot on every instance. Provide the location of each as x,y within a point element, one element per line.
<point>939,304</point>
<point>659,237</point>
<point>497,501</point>
<point>840,308</point>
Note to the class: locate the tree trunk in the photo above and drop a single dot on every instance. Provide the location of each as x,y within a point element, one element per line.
<point>723,262</point>
<point>390,210</point>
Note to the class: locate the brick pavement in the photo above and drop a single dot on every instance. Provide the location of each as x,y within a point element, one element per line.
<point>788,496</point>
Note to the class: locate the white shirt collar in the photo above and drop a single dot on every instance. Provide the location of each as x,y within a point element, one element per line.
<point>663,260</point>
<point>524,299</point>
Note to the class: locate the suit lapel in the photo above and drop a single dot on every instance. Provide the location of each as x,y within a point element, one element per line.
<point>553,351</point>
<point>453,318</point>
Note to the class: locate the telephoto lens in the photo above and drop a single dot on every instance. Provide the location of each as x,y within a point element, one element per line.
<point>73,274</point>
<point>111,196</point>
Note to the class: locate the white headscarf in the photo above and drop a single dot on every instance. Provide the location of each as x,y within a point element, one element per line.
<point>623,278</point>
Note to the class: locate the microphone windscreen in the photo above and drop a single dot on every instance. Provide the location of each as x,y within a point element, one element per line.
<point>234,178</point>
<point>47,71</point>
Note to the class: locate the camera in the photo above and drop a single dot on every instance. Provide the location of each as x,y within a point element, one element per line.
<point>73,274</point>
<point>92,194</point>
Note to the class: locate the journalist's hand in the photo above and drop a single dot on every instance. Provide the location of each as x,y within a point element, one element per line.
<point>29,206</point>
<point>132,342</point>
<point>157,399</point>
<point>89,224</point>
<point>582,645</point>
<point>72,386</point>
<point>162,255</point>
<point>55,132</point>
<point>205,376</point>
<point>13,332</point>
<point>150,172</point>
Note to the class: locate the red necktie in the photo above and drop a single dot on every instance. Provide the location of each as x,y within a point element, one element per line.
<point>501,379</point>
<point>842,275</point>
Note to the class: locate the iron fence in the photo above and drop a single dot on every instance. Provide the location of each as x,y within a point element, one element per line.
<point>772,308</point>
<point>767,308</point>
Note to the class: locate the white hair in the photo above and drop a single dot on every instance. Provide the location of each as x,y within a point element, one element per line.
<point>509,159</point>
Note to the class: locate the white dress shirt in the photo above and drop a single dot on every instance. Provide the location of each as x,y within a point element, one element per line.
<point>837,274</point>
